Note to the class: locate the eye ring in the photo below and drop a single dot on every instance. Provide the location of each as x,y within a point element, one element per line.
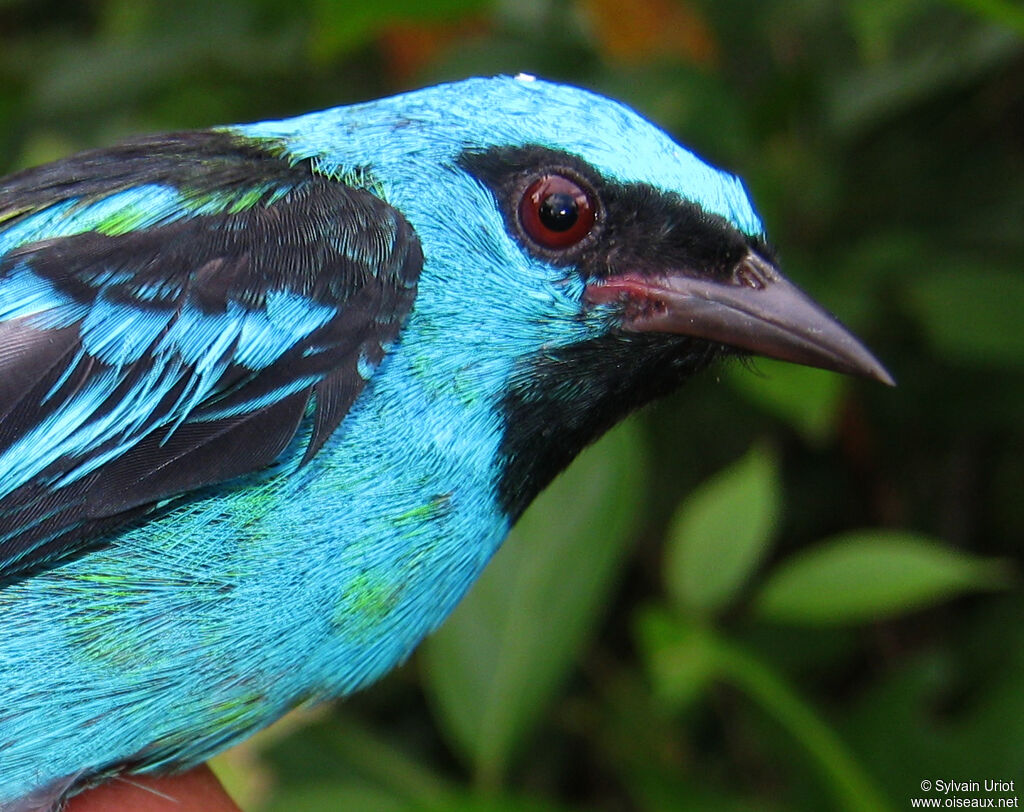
<point>556,211</point>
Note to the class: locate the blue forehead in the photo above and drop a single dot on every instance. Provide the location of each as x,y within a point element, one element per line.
<point>434,125</point>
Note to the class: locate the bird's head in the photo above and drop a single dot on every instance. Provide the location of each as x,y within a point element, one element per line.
<point>578,262</point>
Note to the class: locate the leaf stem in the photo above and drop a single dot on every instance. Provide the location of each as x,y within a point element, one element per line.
<point>998,11</point>
<point>854,789</point>
<point>383,763</point>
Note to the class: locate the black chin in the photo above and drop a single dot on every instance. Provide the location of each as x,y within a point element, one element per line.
<point>564,400</point>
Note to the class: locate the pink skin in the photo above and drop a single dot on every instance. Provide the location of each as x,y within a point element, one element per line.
<point>195,791</point>
<point>753,308</point>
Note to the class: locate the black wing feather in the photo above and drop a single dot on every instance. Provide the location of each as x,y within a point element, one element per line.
<point>333,249</point>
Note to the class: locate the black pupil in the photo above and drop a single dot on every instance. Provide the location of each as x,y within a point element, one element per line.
<point>558,212</point>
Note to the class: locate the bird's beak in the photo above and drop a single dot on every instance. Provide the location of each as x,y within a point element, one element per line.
<point>756,309</point>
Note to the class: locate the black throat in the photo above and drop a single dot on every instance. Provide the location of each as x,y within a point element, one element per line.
<point>570,397</point>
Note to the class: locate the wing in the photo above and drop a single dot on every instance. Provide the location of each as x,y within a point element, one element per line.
<point>169,309</point>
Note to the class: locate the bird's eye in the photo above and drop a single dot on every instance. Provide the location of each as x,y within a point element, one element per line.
<point>556,212</point>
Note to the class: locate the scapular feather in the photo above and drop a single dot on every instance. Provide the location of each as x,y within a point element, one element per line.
<point>205,315</point>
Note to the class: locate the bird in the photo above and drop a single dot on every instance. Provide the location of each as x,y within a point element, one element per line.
<point>272,395</point>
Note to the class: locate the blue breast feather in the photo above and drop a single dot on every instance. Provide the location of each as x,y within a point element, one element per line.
<point>319,561</point>
<point>173,615</point>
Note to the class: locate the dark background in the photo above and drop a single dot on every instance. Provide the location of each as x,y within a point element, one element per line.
<point>776,590</point>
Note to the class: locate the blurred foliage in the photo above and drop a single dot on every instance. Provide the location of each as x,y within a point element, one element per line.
<point>778,589</point>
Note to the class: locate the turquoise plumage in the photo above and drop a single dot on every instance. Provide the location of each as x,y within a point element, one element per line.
<point>272,395</point>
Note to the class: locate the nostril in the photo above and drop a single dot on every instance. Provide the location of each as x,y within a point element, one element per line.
<point>745,275</point>
<point>753,272</point>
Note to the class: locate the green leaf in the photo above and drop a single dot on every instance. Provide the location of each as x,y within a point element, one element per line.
<point>680,656</point>
<point>869,575</point>
<point>721,533</point>
<point>498,661</point>
<point>972,313</point>
<point>340,750</point>
<point>935,64</point>
<point>876,26</point>
<point>852,787</point>
<point>1004,12</point>
<point>482,802</point>
<point>807,399</point>
<point>683,658</point>
<point>331,797</point>
<point>340,27</point>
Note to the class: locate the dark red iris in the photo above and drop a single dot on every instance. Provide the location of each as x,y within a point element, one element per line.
<point>556,212</point>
